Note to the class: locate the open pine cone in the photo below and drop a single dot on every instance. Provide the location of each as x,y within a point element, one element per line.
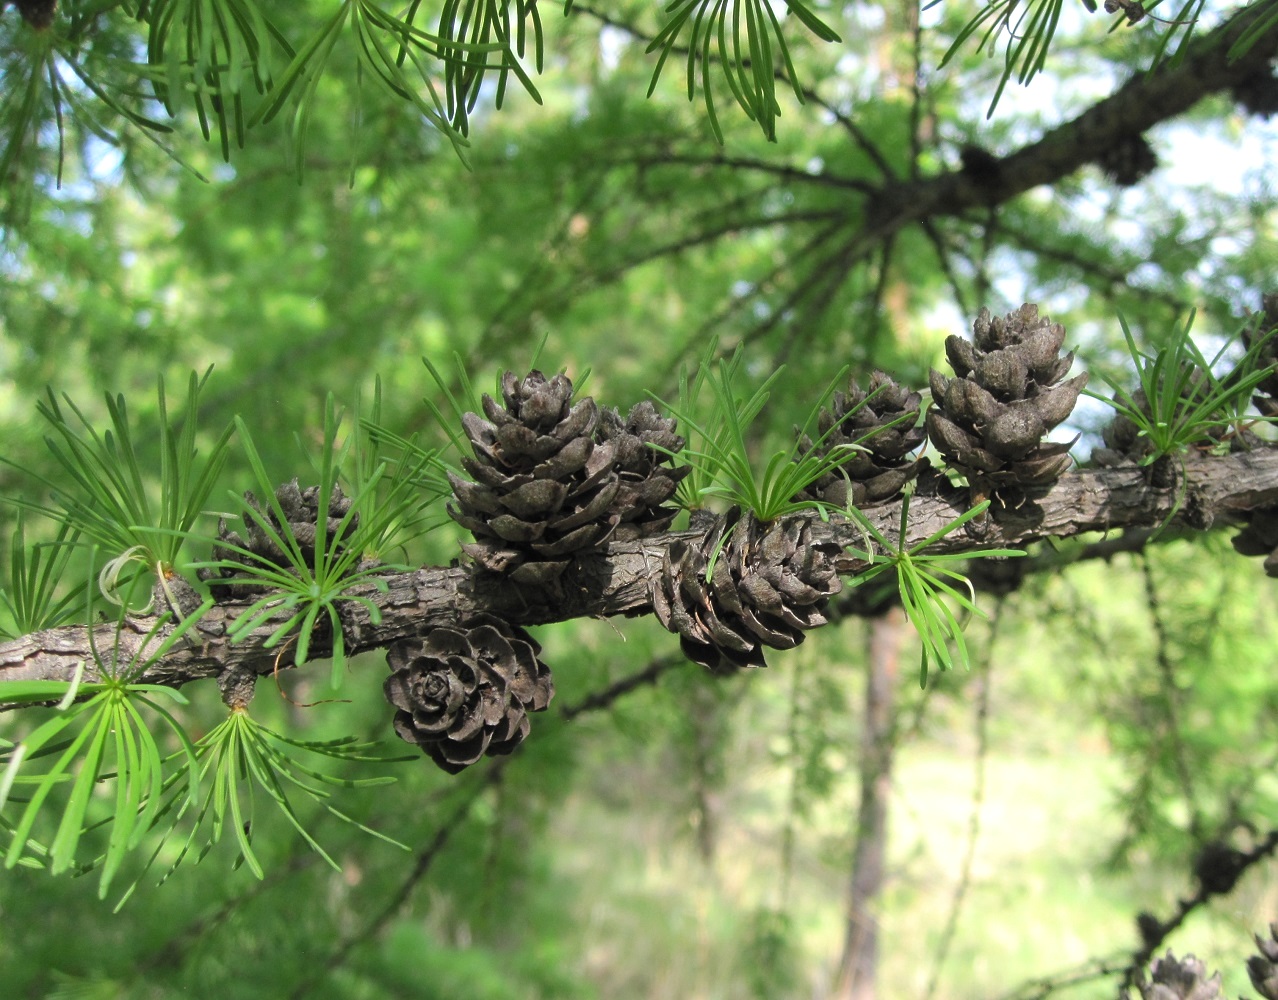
<point>1172,978</point>
<point>465,692</point>
<point>554,479</point>
<point>770,584</point>
<point>989,421</point>
<point>301,512</point>
<point>881,422</point>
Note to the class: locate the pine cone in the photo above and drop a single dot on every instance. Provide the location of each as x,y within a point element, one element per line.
<point>770,584</point>
<point>638,450</point>
<point>301,512</point>
<point>1263,968</point>
<point>464,692</point>
<point>538,497</point>
<point>989,421</point>
<point>1260,538</point>
<point>1128,161</point>
<point>877,468</point>
<point>1178,979</point>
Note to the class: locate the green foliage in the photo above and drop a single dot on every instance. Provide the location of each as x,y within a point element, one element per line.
<point>471,32</point>
<point>1032,25</point>
<point>719,445</point>
<point>927,584</point>
<point>377,35</point>
<point>109,498</point>
<point>240,760</point>
<point>308,591</point>
<point>107,737</point>
<point>1266,20</point>
<point>31,599</point>
<point>1185,401</point>
<point>208,51</point>
<point>63,70</point>
<point>747,49</point>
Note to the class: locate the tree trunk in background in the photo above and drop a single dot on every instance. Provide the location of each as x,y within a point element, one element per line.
<point>857,967</point>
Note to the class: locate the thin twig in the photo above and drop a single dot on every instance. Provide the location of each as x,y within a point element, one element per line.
<point>985,669</point>
<point>615,690</point>
<point>1171,693</point>
<point>425,858</point>
<point>1184,907</point>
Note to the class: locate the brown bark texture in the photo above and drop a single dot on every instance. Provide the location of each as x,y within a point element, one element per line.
<point>618,579</point>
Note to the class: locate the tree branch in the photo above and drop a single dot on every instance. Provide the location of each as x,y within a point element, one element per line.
<point>618,579</point>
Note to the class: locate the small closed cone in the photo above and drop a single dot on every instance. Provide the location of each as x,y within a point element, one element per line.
<point>1262,968</point>
<point>301,510</point>
<point>878,428</point>
<point>555,478</point>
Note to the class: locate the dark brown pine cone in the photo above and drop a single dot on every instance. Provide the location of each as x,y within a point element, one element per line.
<point>465,692</point>
<point>1171,978</point>
<point>1260,538</point>
<point>554,478</point>
<point>301,512</point>
<point>990,420</point>
<point>877,469</point>
<point>37,13</point>
<point>770,584</point>
<point>638,449</point>
<point>535,501</point>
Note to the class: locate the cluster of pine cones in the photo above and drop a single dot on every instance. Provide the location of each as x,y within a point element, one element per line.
<point>554,477</point>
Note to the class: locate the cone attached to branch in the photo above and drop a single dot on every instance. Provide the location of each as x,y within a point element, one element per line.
<point>1260,538</point>
<point>300,508</point>
<point>769,584</point>
<point>638,449</point>
<point>553,478</point>
<point>989,421</point>
<point>882,424</point>
<point>465,692</point>
<point>1172,978</point>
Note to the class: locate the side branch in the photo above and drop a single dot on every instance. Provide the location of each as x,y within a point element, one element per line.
<point>619,579</point>
<point>1144,101</point>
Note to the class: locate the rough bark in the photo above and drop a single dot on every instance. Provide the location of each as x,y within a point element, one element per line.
<point>617,580</point>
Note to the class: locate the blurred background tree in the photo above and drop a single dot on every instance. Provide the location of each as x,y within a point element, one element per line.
<point>314,195</point>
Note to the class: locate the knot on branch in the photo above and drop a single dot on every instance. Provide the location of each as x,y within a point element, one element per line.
<point>466,691</point>
<point>990,419</point>
<point>1128,161</point>
<point>768,585</point>
<point>555,478</point>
